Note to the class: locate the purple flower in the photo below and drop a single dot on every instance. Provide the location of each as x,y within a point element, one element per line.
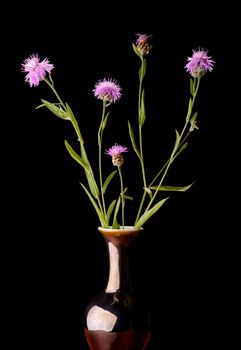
<point>36,70</point>
<point>107,90</point>
<point>199,63</point>
<point>116,153</point>
<point>142,44</point>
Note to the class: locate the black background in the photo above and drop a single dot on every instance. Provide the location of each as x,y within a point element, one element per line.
<point>54,260</point>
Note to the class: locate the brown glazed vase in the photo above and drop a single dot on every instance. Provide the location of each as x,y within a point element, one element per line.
<point>115,318</point>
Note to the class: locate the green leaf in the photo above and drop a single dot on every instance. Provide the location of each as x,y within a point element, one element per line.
<point>110,210</point>
<point>132,137</point>
<point>76,157</point>
<point>75,124</point>
<point>105,121</point>
<point>189,112</point>
<point>142,115</point>
<point>43,105</point>
<point>192,86</point>
<point>88,172</point>
<point>177,138</point>
<point>92,184</point>
<point>194,117</point>
<point>181,149</point>
<point>146,216</point>
<point>142,70</point>
<point>58,111</point>
<point>115,223</point>
<point>136,51</point>
<point>103,222</point>
<point>107,181</point>
<point>148,191</point>
<point>172,188</point>
<point>128,197</point>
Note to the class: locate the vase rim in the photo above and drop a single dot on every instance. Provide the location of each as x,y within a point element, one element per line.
<point>126,228</point>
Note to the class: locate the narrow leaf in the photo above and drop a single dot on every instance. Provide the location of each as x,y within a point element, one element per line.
<point>110,210</point>
<point>136,51</point>
<point>142,115</point>
<point>148,191</point>
<point>172,188</point>
<point>92,184</point>
<point>177,138</point>
<point>128,197</point>
<point>189,112</point>
<point>132,137</point>
<point>75,123</point>
<point>192,87</point>
<point>105,121</point>
<point>194,117</point>
<point>142,70</point>
<point>149,213</point>
<point>115,224</point>
<point>88,172</point>
<point>98,211</point>
<point>43,105</point>
<point>58,111</point>
<point>181,149</point>
<point>107,181</point>
<point>76,157</point>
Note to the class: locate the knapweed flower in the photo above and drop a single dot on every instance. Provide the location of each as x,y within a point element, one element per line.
<point>116,153</point>
<point>107,90</point>
<point>36,70</point>
<point>199,63</point>
<point>97,180</point>
<point>142,44</point>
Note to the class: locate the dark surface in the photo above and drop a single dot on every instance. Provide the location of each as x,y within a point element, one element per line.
<point>54,259</point>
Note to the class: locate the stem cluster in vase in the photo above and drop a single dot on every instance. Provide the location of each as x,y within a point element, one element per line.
<point>111,213</point>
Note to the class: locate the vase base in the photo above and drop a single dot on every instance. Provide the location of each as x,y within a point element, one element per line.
<point>131,340</point>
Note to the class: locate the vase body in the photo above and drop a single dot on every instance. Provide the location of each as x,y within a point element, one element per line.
<point>115,318</point>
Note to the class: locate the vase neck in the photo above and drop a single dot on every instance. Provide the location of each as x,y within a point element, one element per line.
<point>119,279</point>
<point>118,244</point>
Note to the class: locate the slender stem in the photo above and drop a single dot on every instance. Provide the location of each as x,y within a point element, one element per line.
<point>122,198</point>
<point>140,125</point>
<point>140,86</point>
<point>179,142</point>
<point>196,89</point>
<point>55,92</point>
<point>140,138</point>
<point>77,130</point>
<point>100,136</point>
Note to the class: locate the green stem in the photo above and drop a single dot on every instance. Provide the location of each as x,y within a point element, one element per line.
<point>140,126</point>
<point>55,92</point>
<point>78,133</point>
<point>140,139</point>
<point>140,85</point>
<point>100,136</point>
<point>122,198</point>
<point>177,144</point>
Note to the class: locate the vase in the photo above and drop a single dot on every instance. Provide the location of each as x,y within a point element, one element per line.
<point>116,319</point>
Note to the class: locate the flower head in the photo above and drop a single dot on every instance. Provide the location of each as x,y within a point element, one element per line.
<point>36,70</point>
<point>142,44</point>
<point>199,63</point>
<point>116,153</point>
<point>107,90</point>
